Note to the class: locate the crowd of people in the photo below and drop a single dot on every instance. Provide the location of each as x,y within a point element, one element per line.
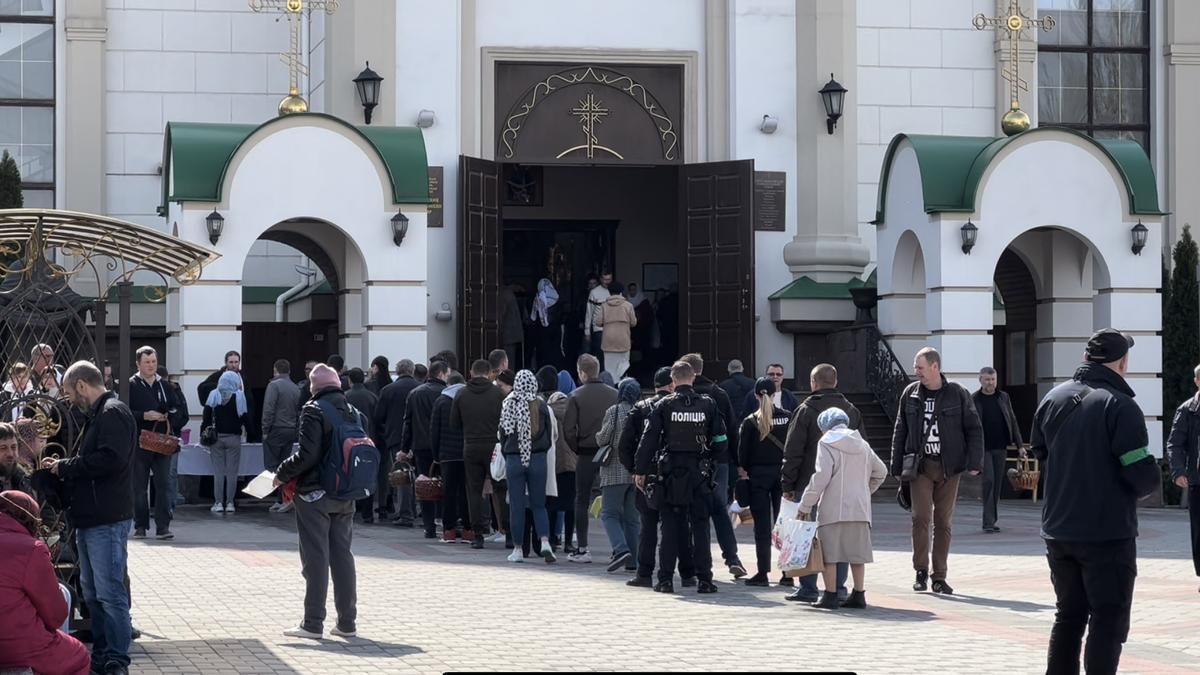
<point>524,458</point>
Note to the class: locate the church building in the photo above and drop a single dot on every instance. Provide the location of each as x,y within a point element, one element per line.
<point>785,181</point>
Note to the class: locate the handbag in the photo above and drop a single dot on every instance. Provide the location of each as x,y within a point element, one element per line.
<point>603,456</point>
<point>208,435</point>
<point>910,466</point>
<point>499,468</point>
<point>429,488</point>
<point>163,444</point>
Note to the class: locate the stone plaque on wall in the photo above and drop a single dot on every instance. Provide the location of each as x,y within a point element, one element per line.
<point>770,191</point>
<point>434,219</point>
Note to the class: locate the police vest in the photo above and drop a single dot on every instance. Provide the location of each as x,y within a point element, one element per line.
<point>688,424</point>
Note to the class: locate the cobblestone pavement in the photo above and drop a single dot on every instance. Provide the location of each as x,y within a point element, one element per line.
<point>215,599</point>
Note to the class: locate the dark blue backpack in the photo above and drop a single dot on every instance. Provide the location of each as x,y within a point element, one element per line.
<point>351,463</point>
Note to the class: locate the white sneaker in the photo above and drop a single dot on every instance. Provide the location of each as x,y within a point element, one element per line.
<point>516,555</point>
<point>229,508</point>
<point>286,507</point>
<point>343,633</point>
<point>580,557</point>
<point>274,508</point>
<point>497,538</point>
<point>301,633</point>
<point>218,508</point>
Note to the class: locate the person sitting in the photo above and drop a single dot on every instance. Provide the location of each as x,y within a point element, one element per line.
<point>848,473</point>
<point>35,608</point>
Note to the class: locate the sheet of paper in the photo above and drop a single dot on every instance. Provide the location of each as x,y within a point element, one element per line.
<point>261,485</point>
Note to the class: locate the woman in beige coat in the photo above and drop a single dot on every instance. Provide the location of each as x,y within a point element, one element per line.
<point>847,473</point>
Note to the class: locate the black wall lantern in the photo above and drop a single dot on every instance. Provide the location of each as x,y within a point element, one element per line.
<point>399,228</point>
<point>215,222</point>
<point>969,234</point>
<point>367,84</point>
<point>1139,233</point>
<point>833,95</point>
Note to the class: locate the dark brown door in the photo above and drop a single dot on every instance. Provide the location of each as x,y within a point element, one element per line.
<point>479,237</point>
<point>717,280</point>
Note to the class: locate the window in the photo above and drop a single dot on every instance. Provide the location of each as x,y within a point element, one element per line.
<point>27,94</point>
<point>1094,68</point>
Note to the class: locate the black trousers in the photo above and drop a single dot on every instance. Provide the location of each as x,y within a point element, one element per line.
<point>145,463</point>
<point>648,543</point>
<point>1093,583</point>
<point>454,496</point>
<point>765,493</point>
<point>424,459</point>
<point>564,503</point>
<point>1194,515</point>
<point>678,524</point>
<point>477,465</point>
<point>993,482</point>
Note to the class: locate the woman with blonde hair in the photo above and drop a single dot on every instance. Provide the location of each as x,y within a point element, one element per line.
<point>848,473</point>
<point>760,458</point>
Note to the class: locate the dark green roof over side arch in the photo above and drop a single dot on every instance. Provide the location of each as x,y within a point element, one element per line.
<point>196,157</point>
<point>952,166</point>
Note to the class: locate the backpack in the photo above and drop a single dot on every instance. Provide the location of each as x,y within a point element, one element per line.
<point>349,469</point>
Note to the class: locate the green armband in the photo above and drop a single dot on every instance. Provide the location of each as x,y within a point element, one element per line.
<point>720,439</point>
<point>1134,456</point>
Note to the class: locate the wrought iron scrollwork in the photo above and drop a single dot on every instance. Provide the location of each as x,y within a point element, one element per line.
<point>886,375</point>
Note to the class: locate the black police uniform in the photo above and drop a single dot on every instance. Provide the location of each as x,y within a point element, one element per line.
<point>627,447</point>
<point>688,426</point>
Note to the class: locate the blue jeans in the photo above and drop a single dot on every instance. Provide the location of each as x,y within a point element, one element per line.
<point>102,563</point>
<point>533,479</point>
<point>722,525</point>
<point>622,523</point>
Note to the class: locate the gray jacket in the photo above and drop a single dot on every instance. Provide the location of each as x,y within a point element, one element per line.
<point>281,408</point>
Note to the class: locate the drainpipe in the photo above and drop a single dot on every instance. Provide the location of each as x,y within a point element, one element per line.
<point>306,276</point>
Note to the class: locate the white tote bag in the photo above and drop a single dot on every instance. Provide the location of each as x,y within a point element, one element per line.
<point>499,468</point>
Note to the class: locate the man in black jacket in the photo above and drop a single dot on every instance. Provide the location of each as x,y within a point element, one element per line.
<point>100,506</point>
<point>416,445</point>
<point>722,524</point>
<point>447,446</point>
<point>324,524</point>
<point>1183,446</point>
<point>800,457</point>
<point>1000,430</point>
<point>365,401</point>
<point>389,427</point>
<point>738,386</point>
<point>475,412</point>
<point>1092,438</point>
<point>150,401</point>
<point>937,425</point>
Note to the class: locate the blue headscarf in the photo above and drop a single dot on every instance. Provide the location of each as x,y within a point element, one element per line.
<point>629,391</point>
<point>832,418</point>
<point>229,385</point>
<point>566,384</point>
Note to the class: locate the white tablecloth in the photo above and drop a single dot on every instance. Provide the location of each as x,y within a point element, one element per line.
<point>194,460</point>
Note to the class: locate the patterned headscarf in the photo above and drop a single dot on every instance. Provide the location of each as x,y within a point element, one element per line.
<point>514,413</point>
<point>832,418</point>
<point>547,296</point>
<point>629,391</point>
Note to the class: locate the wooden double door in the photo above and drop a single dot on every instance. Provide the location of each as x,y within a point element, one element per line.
<point>716,253</point>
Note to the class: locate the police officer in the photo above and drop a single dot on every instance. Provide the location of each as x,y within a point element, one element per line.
<point>687,428</point>
<point>647,506</point>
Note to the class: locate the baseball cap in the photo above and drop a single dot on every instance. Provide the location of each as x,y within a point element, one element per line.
<point>662,378</point>
<point>1107,345</point>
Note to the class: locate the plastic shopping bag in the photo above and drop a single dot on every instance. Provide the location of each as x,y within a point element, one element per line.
<point>796,539</point>
<point>499,468</point>
<point>787,512</point>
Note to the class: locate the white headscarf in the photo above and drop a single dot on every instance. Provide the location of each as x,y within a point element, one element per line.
<point>546,297</point>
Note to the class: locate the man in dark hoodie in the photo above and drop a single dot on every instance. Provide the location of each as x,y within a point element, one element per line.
<point>448,453</point>
<point>1092,437</point>
<point>389,426</point>
<point>586,408</point>
<point>722,524</point>
<point>416,445</point>
<point>476,413</point>
<point>800,456</point>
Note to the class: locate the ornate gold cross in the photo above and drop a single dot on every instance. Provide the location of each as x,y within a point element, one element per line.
<point>1014,24</point>
<point>590,112</point>
<point>293,10</point>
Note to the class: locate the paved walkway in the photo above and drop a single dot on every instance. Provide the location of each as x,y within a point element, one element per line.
<point>215,600</point>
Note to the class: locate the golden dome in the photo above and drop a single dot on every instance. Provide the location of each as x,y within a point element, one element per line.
<point>293,103</point>
<point>1014,122</point>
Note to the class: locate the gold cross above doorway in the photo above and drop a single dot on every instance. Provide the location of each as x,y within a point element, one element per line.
<point>591,112</point>
<point>293,10</point>
<point>1014,24</point>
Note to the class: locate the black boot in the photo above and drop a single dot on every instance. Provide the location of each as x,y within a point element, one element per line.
<point>687,582</point>
<point>940,586</point>
<point>640,582</point>
<point>787,581</point>
<point>922,582</point>
<point>664,587</point>
<point>857,600</point>
<point>759,579</point>
<point>477,542</point>
<point>827,601</point>
<point>706,587</point>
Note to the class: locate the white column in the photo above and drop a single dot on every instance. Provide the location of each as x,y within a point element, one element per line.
<point>826,246</point>
<point>83,172</point>
<point>359,32</point>
<point>1182,22</point>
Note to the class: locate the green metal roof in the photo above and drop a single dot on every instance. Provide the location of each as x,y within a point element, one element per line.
<point>952,166</point>
<point>196,157</point>
<point>805,288</point>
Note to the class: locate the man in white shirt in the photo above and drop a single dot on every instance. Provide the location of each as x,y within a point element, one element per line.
<point>597,296</point>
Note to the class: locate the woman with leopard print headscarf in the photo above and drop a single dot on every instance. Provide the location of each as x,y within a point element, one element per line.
<point>525,438</point>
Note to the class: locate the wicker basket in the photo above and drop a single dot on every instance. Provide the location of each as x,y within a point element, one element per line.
<point>401,476</point>
<point>428,488</point>
<point>1025,475</point>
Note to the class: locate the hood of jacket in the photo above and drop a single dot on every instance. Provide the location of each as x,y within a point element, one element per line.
<point>452,390</point>
<point>615,300</point>
<point>848,441</point>
<point>479,385</point>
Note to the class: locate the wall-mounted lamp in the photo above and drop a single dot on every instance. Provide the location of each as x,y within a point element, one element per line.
<point>1139,233</point>
<point>833,95</point>
<point>214,223</point>
<point>769,124</point>
<point>399,228</point>
<point>425,119</point>
<point>367,84</point>
<point>969,233</point>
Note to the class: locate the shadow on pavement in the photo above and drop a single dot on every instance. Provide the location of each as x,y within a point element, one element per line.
<point>874,613</point>
<point>358,646</point>
<point>1014,605</point>
<point>243,656</point>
